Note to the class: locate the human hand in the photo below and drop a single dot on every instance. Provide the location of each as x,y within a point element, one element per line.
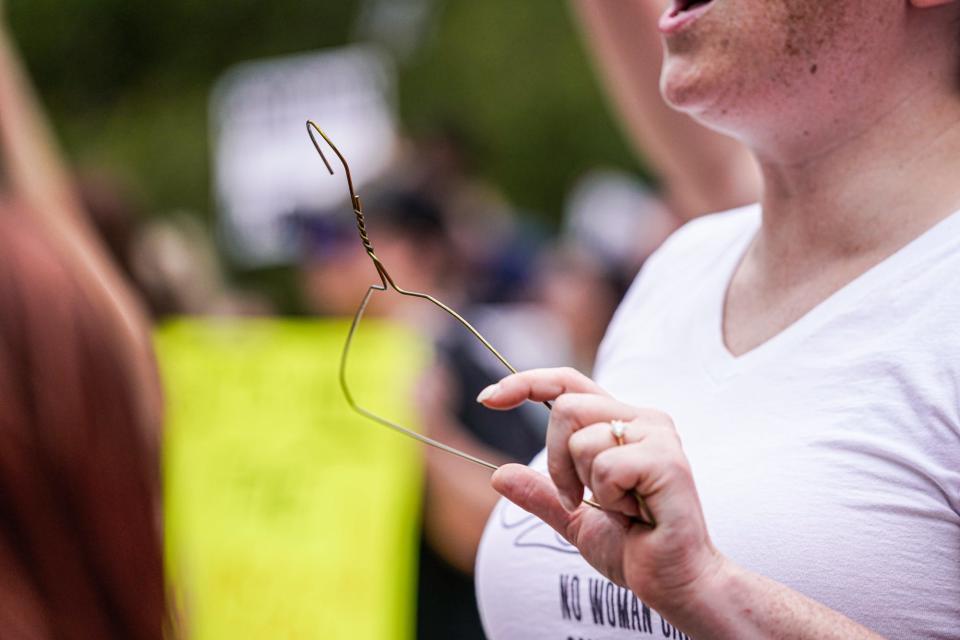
<point>668,567</point>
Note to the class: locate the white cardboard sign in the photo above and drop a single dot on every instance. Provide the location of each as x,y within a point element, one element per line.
<point>265,167</point>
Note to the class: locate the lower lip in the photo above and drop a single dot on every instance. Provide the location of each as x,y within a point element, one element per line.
<point>672,21</point>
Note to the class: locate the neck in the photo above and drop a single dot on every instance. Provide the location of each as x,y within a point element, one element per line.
<point>863,191</point>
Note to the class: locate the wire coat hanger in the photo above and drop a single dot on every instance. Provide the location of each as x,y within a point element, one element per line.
<point>387,283</point>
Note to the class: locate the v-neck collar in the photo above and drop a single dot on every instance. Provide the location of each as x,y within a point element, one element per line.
<point>722,364</point>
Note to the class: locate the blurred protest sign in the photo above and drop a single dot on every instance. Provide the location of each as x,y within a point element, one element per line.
<point>287,515</point>
<point>265,168</point>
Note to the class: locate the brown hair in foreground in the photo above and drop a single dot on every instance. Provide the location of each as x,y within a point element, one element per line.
<point>80,537</point>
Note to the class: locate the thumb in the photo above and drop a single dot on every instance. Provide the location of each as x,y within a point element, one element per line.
<point>532,492</point>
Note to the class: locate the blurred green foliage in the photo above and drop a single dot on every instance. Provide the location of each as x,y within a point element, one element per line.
<point>516,77</point>
<point>127,85</point>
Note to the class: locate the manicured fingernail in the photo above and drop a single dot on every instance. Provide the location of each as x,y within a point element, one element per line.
<point>488,393</point>
<point>568,503</point>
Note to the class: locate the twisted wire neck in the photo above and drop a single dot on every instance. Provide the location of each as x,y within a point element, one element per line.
<point>362,226</point>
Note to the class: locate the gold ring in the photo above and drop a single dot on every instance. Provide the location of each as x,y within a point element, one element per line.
<point>618,427</point>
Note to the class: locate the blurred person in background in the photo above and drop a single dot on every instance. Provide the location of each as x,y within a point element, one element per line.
<point>612,223</point>
<point>409,234</point>
<point>80,537</point>
<point>613,215</point>
<point>177,269</point>
<point>496,248</point>
<point>172,261</point>
<point>80,492</point>
<point>804,348</point>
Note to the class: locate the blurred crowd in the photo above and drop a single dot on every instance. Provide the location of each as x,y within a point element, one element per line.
<point>85,272</point>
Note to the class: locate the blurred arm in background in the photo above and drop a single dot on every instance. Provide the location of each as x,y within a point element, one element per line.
<point>37,177</point>
<point>458,497</point>
<point>701,170</point>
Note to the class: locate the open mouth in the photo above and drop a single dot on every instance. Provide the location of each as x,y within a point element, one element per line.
<point>681,6</point>
<point>682,14</point>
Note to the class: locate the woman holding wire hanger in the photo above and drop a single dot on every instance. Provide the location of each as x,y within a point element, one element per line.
<point>780,386</point>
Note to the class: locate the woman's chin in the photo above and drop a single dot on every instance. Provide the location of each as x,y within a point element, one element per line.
<point>686,89</point>
<point>711,93</point>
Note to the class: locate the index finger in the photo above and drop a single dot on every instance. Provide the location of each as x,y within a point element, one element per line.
<point>538,385</point>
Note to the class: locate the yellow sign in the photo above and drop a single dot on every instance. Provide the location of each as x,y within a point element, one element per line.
<point>287,515</point>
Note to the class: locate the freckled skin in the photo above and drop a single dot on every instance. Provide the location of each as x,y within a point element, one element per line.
<point>830,19</point>
<point>755,68</point>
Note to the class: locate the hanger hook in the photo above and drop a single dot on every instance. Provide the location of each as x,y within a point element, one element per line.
<point>354,198</point>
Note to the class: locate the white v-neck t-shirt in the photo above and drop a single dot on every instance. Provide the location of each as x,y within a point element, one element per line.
<point>827,459</point>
